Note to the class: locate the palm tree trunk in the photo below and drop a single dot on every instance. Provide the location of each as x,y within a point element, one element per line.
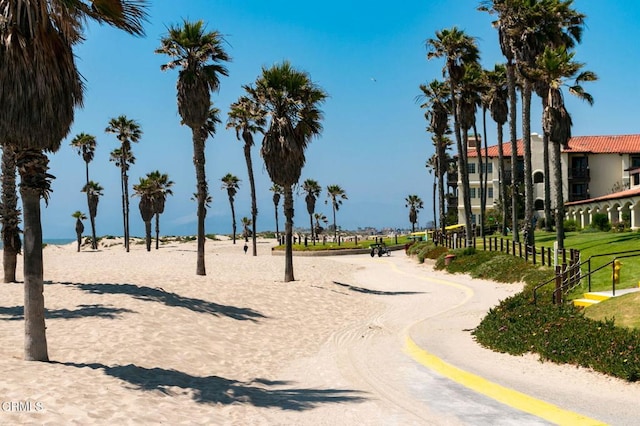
<point>10,215</point>
<point>288,230</point>
<point>481,176</point>
<point>435,189</point>
<point>511,82</point>
<point>233,219</point>
<point>199,138</point>
<point>124,208</point>
<point>254,206</point>
<point>503,186</point>
<point>312,234</point>
<point>94,243</point>
<point>157,230</point>
<point>147,233</point>
<point>557,181</point>
<point>335,227</point>
<point>528,172</point>
<point>277,230</point>
<point>35,342</point>
<point>547,175</point>
<point>441,201</point>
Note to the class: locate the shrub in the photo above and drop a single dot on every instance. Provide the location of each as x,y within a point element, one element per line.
<point>570,225</point>
<point>601,222</point>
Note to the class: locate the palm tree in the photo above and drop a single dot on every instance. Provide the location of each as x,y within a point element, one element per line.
<point>161,188</point>
<point>336,194</point>
<point>554,67</point>
<point>458,49</point>
<point>145,190</point>
<point>246,118</point>
<point>437,102</point>
<point>415,204</point>
<point>94,192</point>
<point>432,167</point>
<point>312,190</point>
<point>126,131</point>
<point>199,56</point>
<point>41,86</point>
<point>277,193</point>
<point>290,101</point>
<point>526,28</point>
<point>79,216</point>
<point>319,217</point>
<point>231,184</point>
<point>10,215</point>
<point>85,144</point>
<point>246,223</point>
<point>497,97</point>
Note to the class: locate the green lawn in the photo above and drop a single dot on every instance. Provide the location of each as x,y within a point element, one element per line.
<point>345,245</point>
<point>599,246</point>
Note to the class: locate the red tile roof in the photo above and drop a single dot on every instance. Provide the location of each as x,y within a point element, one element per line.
<point>621,144</point>
<point>616,195</point>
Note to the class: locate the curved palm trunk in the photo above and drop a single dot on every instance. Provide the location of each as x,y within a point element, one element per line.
<point>10,216</point>
<point>288,230</point>
<point>199,137</point>
<point>254,206</point>
<point>528,173</point>
<point>233,219</point>
<point>511,82</point>
<point>35,343</point>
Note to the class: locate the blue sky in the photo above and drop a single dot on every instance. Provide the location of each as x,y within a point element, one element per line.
<point>369,56</point>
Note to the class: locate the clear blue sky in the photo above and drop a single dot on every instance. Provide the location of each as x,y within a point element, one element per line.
<point>369,56</point>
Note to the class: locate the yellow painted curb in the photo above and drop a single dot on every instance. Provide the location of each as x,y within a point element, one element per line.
<point>507,396</point>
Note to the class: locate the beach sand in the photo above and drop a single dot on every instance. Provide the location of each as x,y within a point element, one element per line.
<point>139,338</point>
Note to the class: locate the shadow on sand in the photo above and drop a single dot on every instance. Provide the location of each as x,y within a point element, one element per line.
<point>376,292</point>
<point>218,390</point>
<point>159,295</point>
<point>15,313</point>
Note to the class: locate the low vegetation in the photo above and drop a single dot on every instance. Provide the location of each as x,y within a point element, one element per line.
<point>605,338</point>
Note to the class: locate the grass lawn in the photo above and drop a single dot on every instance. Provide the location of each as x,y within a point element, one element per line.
<point>600,247</point>
<point>346,245</point>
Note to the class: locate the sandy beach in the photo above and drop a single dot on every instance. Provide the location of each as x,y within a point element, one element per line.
<point>138,338</point>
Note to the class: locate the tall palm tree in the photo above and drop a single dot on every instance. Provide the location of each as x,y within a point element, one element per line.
<point>526,28</point>
<point>145,190</point>
<point>415,204</point>
<point>79,216</point>
<point>311,189</point>
<point>161,188</point>
<point>555,66</point>
<point>336,194</point>
<point>94,192</point>
<point>41,86</point>
<point>231,184</point>
<point>290,101</point>
<point>199,55</point>
<point>498,100</point>
<point>438,103</point>
<point>458,49</point>
<point>9,215</point>
<point>246,118</point>
<point>127,131</point>
<point>277,194</point>
<point>85,144</point>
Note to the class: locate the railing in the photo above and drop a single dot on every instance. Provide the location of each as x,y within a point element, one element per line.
<point>569,277</point>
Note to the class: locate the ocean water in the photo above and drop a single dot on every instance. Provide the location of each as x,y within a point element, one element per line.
<point>54,241</point>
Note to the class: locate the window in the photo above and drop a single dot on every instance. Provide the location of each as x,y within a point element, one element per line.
<point>471,168</point>
<point>635,161</point>
<point>472,193</point>
<point>538,177</point>
<point>487,168</point>
<point>490,192</point>
<point>538,205</point>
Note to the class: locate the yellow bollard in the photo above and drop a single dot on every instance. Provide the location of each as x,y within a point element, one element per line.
<point>616,271</point>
